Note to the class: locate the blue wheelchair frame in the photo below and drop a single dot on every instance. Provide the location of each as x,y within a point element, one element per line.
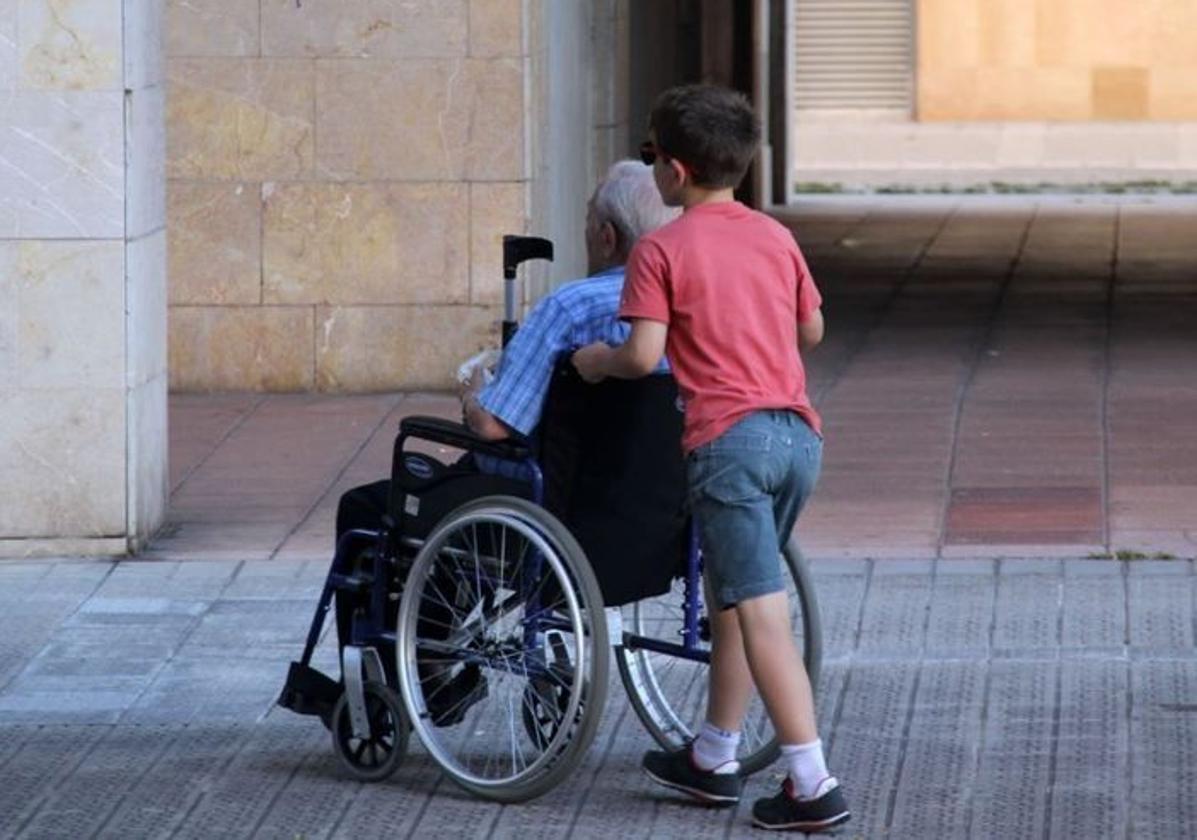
<point>370,630</point>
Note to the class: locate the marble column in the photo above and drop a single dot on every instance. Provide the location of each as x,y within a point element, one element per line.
<point>82,276</point>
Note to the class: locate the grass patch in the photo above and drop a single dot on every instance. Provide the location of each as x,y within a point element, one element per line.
<point>1140,187</point>
<point>1129,554</point>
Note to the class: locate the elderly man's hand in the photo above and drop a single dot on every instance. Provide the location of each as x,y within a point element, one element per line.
<point>591,361</point>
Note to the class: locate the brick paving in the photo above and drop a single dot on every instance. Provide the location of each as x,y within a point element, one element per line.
<point>1001,378</point>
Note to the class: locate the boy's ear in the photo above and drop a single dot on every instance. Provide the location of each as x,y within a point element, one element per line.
<point>680,174</point>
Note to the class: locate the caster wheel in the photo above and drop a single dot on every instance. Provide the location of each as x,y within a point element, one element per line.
<point>377,756</point>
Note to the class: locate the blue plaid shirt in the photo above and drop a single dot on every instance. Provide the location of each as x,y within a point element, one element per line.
<point>576,314</point>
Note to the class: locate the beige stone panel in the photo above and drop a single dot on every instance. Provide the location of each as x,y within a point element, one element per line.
<point>68,298</point>
<point>495,210</point>
<point>495,137</point>
<point>949,35</point>
<point>496,28</point>
<point>1007,33</point>
<point>1114,32</point>
<point>1056,35</point>
<point>1173,93</point>
<point>212,27</point>
<point>68,447</point>
<point>946,95</point>
<point>421,119</point>
<point>63,171</point>
<point>240,118</point>
<point>384,348</point>
<point>232,348</point>
<point>66,45</point>
<point>1120,93</point>
<point>366,28</point>
<point>8,45</point>
<point>145,309</point>
<point>214,248</point>
<point>1032,94</point>
<point>365,244</point>
<point>144,62</point>
<point>148,468</point>
<point>1176,38</point>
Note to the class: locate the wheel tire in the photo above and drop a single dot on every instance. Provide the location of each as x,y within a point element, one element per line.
<point>565,748</point>
<point>672,728</point>
<point>374,758</point>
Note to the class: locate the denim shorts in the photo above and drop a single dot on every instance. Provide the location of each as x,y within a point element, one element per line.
<point>746,489</point>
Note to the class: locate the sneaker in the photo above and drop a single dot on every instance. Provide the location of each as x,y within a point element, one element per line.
<point>676,769</point>
<point>825,809</point>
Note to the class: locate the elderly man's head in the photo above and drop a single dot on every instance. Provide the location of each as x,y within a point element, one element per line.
<point>625,206</point>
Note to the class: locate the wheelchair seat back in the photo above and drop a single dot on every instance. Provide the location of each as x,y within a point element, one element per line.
<point>615,476</point>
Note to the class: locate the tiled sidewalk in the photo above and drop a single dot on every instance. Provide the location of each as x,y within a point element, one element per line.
<point>1002,377</point>
<point>959,699</point>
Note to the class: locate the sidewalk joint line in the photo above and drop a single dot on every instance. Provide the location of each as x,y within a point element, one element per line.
<point>331,485</point>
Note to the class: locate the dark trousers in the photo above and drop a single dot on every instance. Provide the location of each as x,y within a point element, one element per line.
<point>363,507</point>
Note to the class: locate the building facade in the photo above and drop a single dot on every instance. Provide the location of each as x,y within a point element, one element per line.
<point>970,92</point>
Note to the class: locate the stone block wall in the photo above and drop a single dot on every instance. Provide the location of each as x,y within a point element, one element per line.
<point>82,275</point>
<point>1057,60</point>
<point>340,175</point>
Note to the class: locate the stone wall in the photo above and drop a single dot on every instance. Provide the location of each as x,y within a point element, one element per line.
<point>1057,60</point>
<point>82,275</point>
<point>340,175</point>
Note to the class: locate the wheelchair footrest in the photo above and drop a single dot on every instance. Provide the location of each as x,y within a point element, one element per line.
<point>309,692</point>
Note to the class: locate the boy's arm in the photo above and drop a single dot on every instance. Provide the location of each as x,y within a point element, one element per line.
<point>810,331</point>
<point>636,357</point>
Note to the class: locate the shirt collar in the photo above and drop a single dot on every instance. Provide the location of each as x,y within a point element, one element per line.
<point>607,272</point>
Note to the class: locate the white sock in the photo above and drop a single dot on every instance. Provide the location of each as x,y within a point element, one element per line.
<point>714,749</point>
<point>808,769</point>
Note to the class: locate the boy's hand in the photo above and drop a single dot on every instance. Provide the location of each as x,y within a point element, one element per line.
<point>591,361</point>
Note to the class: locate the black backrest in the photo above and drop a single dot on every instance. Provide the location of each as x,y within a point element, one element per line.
<point>614,474</point>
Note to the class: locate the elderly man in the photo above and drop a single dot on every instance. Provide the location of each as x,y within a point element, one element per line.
<point>625,206</point>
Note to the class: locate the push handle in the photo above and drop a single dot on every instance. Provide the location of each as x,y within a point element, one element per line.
<point>518,249</point>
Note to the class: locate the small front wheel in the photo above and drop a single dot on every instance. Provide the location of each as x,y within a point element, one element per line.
<point>377,755</point>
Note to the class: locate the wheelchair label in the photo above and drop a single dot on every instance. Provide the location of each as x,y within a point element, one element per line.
<point>411,505</point>
<point>417,466</point>
<point>614,625</point>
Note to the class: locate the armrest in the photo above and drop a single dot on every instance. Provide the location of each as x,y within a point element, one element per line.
<point>450,433</point>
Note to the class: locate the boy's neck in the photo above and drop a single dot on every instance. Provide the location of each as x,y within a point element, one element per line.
<point>693,196</point>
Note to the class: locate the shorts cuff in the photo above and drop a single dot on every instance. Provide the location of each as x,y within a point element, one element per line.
<point>729,596</point>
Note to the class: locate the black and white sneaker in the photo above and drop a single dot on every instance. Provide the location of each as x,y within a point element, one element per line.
<point>676,769</point>
<point>786,812</point>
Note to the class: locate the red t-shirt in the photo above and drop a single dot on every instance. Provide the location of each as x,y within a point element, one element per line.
<point>733,286</point>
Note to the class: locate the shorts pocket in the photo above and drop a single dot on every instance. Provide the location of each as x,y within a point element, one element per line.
<point>726,478</point>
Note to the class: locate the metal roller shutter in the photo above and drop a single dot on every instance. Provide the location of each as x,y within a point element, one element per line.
<point>853,54</point>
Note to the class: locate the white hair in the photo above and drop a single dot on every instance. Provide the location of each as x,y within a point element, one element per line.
<point>628,198</point>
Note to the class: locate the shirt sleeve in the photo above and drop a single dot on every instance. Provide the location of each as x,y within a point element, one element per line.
<point>516,394</point>
<point>809,298</point>
<point>646,285</point>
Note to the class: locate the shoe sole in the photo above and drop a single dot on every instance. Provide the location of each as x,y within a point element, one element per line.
<point>700,795</point>
<point>805,825</point>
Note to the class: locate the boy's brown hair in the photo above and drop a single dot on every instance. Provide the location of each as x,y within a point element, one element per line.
<point>713,130</point>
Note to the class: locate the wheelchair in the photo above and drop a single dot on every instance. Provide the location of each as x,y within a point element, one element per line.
<point>484,613</point>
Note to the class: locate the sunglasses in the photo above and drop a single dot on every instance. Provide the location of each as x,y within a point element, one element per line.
<point>650,151</point>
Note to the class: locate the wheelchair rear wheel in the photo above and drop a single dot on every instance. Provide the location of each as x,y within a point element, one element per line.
<point>502,649</point>
<point>669,693</point>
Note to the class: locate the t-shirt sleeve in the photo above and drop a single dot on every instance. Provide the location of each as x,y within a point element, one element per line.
<point>809,298</point>
<point>646,284</point>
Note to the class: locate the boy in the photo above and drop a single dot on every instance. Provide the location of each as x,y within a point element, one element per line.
<point>725,292</point>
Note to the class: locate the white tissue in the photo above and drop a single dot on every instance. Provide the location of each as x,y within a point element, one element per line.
<point>487,360</point>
